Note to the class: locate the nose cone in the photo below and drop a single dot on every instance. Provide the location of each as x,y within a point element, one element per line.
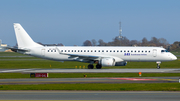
<point>173,57</point>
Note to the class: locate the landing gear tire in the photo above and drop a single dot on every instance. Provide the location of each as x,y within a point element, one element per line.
<point>90,66</point>
<point>158,67</point>
<point>158,64</point>
<point>98,66</point>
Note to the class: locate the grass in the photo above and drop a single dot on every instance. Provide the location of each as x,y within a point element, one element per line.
<point>33,62</point>
<point>89,75</point>
<point>97,87</point>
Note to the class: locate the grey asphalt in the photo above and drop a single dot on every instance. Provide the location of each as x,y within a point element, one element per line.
<point>91,70</point>
<point>89,80</point>
<point>91,95</point>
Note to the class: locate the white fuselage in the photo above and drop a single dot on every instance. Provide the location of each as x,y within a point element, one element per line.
<point>124,53</point>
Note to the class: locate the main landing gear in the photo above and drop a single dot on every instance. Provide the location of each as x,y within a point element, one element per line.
<point>98,66</point>
<point>158,64</point>
<point>90,66</point>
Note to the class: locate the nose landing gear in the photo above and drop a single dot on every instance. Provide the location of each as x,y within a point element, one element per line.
<point>158,64</point>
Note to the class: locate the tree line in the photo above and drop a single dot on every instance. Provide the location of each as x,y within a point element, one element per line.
<point>126,42</point>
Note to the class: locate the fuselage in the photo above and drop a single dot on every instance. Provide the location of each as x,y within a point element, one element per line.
<point>124,53</point>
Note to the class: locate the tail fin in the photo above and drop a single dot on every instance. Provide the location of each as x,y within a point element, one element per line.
<point>22,37</point>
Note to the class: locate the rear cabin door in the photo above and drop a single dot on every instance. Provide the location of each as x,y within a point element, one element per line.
<point>43,52</point>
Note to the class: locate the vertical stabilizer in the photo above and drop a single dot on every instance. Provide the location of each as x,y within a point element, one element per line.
<point>22,37</point>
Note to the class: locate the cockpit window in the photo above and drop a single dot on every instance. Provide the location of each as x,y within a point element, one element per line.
<point>164,51</point>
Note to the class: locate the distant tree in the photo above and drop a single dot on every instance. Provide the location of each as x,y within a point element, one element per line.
<point>87,43</point>
<point>116,41</point>
<point>124,41</point>
<point>163,41</point>
<point>101,42</point>
<point>154,40</point>
<point>94,42</point>
<point>144,42</point>
<point>134,42</point>
<point>60,44</point>
<point>175,46</point>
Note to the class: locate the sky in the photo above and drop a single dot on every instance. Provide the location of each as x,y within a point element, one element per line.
<point>71,22</point>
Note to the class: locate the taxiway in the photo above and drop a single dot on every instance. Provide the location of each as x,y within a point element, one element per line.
<point>90,95</point>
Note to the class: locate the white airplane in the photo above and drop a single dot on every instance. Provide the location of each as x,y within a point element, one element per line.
<point>102,56</point>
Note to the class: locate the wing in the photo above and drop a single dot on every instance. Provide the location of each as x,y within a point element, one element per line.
<point>88,58</point>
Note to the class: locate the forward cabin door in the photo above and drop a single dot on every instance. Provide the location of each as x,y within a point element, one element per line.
<point>154,52</point>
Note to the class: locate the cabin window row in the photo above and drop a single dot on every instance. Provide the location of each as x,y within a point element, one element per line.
<point>105,51</point>
<point>52,50</point>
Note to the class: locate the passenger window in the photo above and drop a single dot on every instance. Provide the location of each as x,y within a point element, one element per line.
<point>117,50</point>
<point>61,50</point>
<point>124,51</point>
<point>102,50</point>
<point>84,50</point>
<point>128,51</point>
<point>138,51</point>
<point>91,50</point>
<point>142,51</point>
<point>88,51</point>
<point>131,51</point>
<point>74,50</point>
<point>65,50</point>
<point>94,50</point>
<point>106,50</point>
<point>134,51</point>
<point>99,51</point>
<point>114,51</point>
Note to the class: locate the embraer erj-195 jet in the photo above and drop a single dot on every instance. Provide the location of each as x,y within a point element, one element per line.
<point>102,56</point>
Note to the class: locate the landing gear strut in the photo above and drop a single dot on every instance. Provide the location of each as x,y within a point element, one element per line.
<point>158,64</point>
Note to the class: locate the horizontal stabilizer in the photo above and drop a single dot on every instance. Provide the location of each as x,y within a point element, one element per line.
<point>17,50</point>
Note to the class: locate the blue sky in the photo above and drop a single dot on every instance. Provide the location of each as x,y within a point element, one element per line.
<point>71,22</point>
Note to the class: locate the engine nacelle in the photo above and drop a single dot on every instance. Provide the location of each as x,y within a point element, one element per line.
<point>124,63</point>
<point>107,62</point>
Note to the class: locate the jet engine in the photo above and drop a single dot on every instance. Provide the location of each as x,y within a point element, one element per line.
<point>107,62</point>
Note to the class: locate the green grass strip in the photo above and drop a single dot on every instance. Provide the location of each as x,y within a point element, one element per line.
<point>97,87</point>
<point>89,75</point>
